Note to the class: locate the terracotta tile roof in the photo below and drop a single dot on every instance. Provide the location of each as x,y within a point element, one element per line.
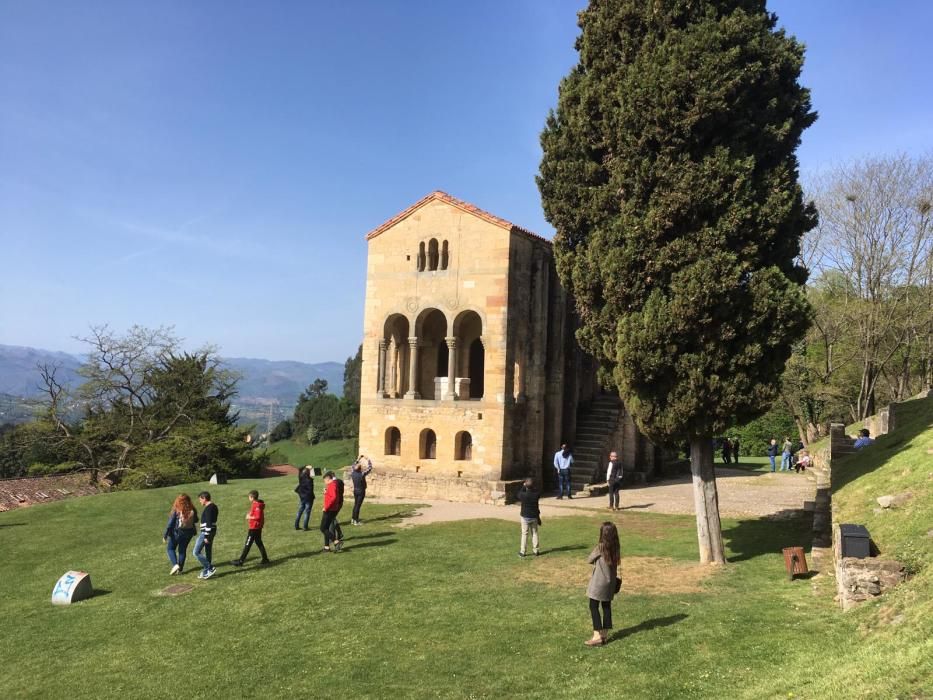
<point>459,204</point>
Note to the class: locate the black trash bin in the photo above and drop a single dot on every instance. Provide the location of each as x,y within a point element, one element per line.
<point>855,541</point>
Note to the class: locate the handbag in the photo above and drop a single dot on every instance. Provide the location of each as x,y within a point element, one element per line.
<point>618,584</point>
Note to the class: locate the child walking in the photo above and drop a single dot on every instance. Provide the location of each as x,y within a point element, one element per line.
<point>203,547</point>
<point>179,531</point>
<point>602,587</point>
<point>255,519</point>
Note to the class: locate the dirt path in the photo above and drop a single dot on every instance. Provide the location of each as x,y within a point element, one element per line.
<point>741,493</point>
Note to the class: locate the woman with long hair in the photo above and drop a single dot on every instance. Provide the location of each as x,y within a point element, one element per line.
<point>178,532</point>
<point>602,588</point>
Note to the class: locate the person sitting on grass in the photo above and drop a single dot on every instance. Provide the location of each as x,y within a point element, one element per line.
<point>803,461</point>
<point>255,519</point>
<point>864,439</point>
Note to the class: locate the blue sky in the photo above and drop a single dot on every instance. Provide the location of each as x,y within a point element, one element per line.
<point>215,166</point>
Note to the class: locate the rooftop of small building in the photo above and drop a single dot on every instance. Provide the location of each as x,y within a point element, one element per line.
<point>440,196</point>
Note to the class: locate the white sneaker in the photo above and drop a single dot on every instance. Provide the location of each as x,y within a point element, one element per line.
<point>175,570</point>
<point>210,572</point>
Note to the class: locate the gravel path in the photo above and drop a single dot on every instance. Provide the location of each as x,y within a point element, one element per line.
<point>741,493</point>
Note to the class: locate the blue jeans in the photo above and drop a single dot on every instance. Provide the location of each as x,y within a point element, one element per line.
<point>771,457</point>
<point>304,507</point>
<point>202,550</point>
<point>177,547</point>
<point>563,481</point>
<point>785,461</point>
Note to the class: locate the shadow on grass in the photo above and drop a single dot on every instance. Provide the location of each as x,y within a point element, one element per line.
<point>654,623</point>
<point>640,505</point>
<point>565,548</point>
<point>380,543</point>
<point>754,537</point>
<point>354,538</point>
<point>3,525</point>
<point>100,592</point>
<point>401,515</point>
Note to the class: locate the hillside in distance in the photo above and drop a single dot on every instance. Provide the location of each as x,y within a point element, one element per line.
<point>263,383</point>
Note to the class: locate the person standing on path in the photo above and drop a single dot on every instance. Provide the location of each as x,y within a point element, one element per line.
<point>305,491</point>
<point>333,501</point>
<point>530,515</point>
<point>614,479</point>
<point>786,452</point>
<point>772,452</point>
<point>179,531</point>
<point>726,451</point>
<point>563,460</point>
<point>358,474</point>
<point>602,587</point>
<point>735,450</point>
<point>204,546</point>
<point>255,519</point>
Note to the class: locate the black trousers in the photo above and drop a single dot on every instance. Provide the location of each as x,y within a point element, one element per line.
<point>606,622</point>
<point>330,527</point>
<point>357,502</point>
<point>253,536</point>
<point>614,489</point>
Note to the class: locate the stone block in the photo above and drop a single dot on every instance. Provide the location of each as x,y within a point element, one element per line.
<point>72,587</point>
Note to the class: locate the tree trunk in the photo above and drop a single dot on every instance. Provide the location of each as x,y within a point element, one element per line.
<point>706,501</point>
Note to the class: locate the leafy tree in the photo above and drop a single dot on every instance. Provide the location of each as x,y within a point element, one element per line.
<point>152,415</point>
<point>283,431</point>
<point>353,376</point>
<point>669,172</point>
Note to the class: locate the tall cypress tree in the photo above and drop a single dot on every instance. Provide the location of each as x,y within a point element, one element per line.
<point>670,174</point>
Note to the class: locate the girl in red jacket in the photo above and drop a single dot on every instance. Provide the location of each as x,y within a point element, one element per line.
<point>255,519</point>
<point>333,502</point>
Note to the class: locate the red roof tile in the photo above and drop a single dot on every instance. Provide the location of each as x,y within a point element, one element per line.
<point>459,204</point>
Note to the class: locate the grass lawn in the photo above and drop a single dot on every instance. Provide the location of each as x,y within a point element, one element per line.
<point>440,610</point>
<point>331,454</point>
<point>749,463</point>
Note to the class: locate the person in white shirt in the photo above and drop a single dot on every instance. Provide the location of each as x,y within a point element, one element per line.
<point>614,480</point>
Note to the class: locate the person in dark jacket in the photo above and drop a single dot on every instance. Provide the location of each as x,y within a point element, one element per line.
<point>204,546</point>
<point>614,479</point>
<point>528,496</point>
<point>735,450</point>
<point>726,451</point>
<point>255,519</point>
<point>773,452</point>
<point>358,474</point>
<point>305,491</point>
<point>333,502</point>
<point>179,531</point>
<point>602,587</point>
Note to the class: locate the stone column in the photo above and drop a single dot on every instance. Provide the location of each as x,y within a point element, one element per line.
<point>412,369</point>
<point>381,379</point>
<point>451,368</point>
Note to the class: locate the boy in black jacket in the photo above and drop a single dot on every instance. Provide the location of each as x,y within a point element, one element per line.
<point>530,515</point>
<point>203,547</point>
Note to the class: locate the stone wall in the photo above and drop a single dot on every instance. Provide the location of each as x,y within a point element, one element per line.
<point>392,483</point>
<point>858,580</point>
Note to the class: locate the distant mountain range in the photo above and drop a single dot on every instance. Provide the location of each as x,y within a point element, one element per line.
<point>263,383</point>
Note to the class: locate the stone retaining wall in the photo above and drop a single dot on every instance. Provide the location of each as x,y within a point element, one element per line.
<point>858,580</point>
<point>392,483</point>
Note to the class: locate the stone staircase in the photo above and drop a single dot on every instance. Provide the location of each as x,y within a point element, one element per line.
<point>594,426</point>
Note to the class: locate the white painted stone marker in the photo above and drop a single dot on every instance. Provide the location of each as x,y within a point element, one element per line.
<point>72,587</point>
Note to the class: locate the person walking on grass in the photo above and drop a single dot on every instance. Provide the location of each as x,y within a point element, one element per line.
<point>358,474</point>
<point>305,491</point>
<point>614,479</point>
<point>786,452</point>
<point>333,502</point>
<point>563,460</point>
<point>603,585</point>
<point>179,532</point>
<point>530,515</point>
<point>255,519</point>
<point>772,452</point>
<point>204,545</point>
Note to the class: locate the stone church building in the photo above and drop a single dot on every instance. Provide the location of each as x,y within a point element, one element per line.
<point>471,376</point>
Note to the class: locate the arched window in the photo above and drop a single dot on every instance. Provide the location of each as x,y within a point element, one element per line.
<point>428,446</point>
<point>463,446</point>
<point>432,254</point>
<point>445,255</point>
<point>421,257</point>
<point>393,441</point>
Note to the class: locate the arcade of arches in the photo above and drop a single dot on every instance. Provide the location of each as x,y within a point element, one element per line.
<point>431,363</point>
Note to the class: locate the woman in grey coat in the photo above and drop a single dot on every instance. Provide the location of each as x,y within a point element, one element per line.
<point>602,588</point>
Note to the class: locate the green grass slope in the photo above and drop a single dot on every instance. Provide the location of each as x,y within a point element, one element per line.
<point>331,454</point>
<point>443,610</point>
